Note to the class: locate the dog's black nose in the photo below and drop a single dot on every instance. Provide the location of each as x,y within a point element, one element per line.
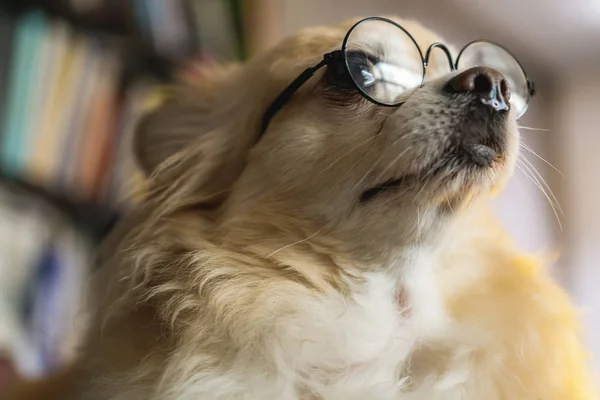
<point>487,83</point>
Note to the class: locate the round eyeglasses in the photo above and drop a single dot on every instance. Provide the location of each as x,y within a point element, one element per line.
<point>381,60</point>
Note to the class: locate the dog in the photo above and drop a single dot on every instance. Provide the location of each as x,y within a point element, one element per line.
<point>339,250</point>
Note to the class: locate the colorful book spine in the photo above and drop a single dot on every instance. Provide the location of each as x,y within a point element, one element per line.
<point>73,127</point>
<point>7,29</point>
<point>42,68</point>
<point>100,128</point>
<point>22,90</point>
<point>57,82</point>
<point>216,35</point>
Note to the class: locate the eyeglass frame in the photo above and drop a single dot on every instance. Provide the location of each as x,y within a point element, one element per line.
<point>337,56</point>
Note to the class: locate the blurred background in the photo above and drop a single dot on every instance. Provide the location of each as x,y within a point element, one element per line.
<point>76,74</point>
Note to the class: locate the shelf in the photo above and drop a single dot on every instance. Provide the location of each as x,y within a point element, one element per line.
<point>113,17</point>
<point>93,218</point>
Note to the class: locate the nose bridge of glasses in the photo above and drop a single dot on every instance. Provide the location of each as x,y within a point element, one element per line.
<point>445,49</point>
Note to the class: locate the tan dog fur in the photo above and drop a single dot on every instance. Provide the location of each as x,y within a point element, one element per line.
<point>247,273</point>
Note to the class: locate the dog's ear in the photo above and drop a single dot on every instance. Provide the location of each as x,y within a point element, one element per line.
<point>187,111</point>
<point>167,128</point>
<point>200,134</point>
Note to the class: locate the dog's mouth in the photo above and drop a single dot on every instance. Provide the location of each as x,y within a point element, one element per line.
<point>468,158</point>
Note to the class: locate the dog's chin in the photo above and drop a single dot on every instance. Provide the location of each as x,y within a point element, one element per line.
<point>483,171</point>
<point>470,166</point>
<point>474,167</point>
<point>479,156</point>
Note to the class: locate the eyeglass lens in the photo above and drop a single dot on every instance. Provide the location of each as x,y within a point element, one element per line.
<point>384,62</point>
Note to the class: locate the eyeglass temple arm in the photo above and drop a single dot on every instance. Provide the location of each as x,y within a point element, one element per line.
<point>287,94</point>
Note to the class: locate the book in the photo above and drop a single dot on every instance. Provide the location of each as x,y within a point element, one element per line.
<point>76,126</point>
<point>43,64</point>
<point>100,129</point>
<point>170,27</point>
<point>7,28</point>
<point>22,78</point>
<point>142,18</point>
<point>215,29</point>
<point>57,87</point>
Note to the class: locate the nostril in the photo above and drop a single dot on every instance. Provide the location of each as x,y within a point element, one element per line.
<point>505,90</point>
<point>489,86</point>
<point>482,84</point>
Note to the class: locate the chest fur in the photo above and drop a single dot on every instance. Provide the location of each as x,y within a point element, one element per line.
<point>358,348</point>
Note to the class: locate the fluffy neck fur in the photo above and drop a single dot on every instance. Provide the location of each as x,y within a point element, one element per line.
<point>284,319</point>
<point>467,319</point>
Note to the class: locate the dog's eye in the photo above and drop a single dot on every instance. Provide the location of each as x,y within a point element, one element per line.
<point>361,66</point>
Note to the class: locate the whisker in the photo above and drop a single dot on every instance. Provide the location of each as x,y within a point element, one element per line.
<point>429,175</point>
<point>520,165</point>
<point>393,263</point>
<point>366,174</point>
<point>350,151</point>
<point>358,162</point>
<point>541,180</point>
<point>394,161</point>
<point>528,128</point>
<point>535,175</point>
<point>294,244</point>
<point>529,149</point>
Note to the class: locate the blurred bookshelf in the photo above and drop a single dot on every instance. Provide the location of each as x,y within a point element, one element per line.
<point>75,76</point>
